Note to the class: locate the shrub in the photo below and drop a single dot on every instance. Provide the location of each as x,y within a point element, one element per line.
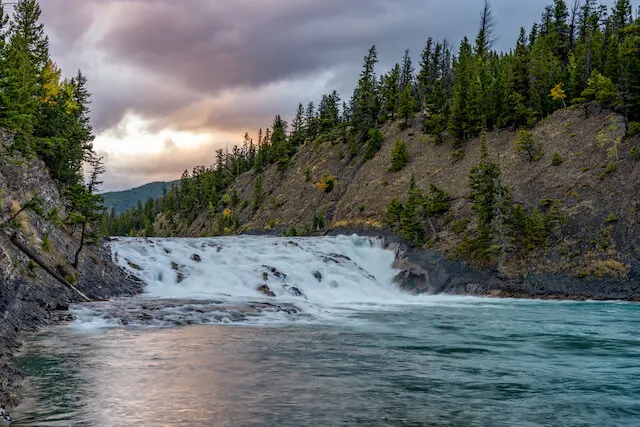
<point>557,159</point>
<point>634,153</point>
<point>400,156</point>
<point>526,144</point>
<point>460,227</point>
<point>458,155</point>
<point>46,243</point>
<point>634,129</point>
<point>611,218</point>
<point>326,183</point>
<point>307,175</point>
<point>374,143</point>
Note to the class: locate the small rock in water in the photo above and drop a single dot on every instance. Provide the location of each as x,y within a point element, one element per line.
<point>296,292</point>
<point>265,276</point>
<point>196,258</point>
<point>318,276</point>
<point>62,317</point>
<point>134,266</point>
<point>265,290</point>
<point>5,418</point>
<point>275,272</point>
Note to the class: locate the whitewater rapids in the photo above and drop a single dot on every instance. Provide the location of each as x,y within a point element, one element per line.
<point>217,280</point>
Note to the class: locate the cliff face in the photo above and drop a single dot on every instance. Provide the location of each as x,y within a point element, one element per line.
<point>600,240</point>
<point>28,294</point>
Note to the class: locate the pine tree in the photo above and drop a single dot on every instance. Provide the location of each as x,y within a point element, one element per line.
<point>390,92</point>
<point>365,98</point>
<point>26,58</point>
<point>406,106</point>
<point>485,38</point>
<point>400,156</point>
<point>406,72</point>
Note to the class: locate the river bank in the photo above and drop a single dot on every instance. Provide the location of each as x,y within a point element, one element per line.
<point>28,303</point>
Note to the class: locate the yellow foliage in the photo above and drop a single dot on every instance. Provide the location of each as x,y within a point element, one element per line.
<point>558,94</point>
<point>51,85</point>
<point>326,183</point>
<point>227,213</point>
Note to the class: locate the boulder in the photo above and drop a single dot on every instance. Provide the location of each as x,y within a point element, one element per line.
<point>266,291</point>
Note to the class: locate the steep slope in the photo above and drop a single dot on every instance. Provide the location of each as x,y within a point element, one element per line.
<point>601,237</point>
<point>28,294</point>
<point>123,200</point>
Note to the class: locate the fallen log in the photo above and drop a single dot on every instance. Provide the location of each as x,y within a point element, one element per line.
<point>28,252</point>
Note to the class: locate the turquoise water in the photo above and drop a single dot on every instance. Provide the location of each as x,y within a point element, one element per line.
<point>442,362</point>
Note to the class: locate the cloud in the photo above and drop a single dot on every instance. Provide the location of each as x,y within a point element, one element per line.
<point>229,66</point>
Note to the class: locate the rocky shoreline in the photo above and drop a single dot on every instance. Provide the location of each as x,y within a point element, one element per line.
<point>29,304</point>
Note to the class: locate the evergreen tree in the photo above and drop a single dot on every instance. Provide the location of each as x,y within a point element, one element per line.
<point>365,98</point>
<point>390,92</point>
<point>26,58</point>
<point>400,156</point>
<point>406,107</point>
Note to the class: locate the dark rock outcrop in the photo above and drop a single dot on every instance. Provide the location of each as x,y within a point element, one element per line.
<point>266,291</point>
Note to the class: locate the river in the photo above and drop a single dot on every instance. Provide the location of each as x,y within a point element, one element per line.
<point>202,347</point>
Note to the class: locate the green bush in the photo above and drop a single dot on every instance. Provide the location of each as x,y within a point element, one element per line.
<point>634,129</point>
<point>611,218</point>
<point>400,156</point>
<point>460,227</point>
<point>557,159</point>
<point>458,155</point>
<point>526,144</point>
<point>46,243</point>
<point>374,143</point>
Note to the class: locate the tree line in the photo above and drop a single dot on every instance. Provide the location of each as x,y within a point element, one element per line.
<point>574,54</point>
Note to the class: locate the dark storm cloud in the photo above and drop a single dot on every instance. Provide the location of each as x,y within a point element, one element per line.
<point>180,51</point>
<point>228,66</point>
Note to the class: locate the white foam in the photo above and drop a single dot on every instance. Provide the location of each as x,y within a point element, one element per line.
<point>352,270</point>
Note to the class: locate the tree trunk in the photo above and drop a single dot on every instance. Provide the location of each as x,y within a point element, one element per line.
<point>76,259</point>
<point>41,263</point>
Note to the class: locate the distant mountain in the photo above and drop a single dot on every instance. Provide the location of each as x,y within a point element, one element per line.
<point>123,200</point>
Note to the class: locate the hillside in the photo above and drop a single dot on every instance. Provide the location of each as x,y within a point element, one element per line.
<point>28,294</point>
<point>128,199</point>
<point>600,239</point>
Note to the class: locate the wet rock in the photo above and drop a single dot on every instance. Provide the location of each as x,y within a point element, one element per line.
<point>5,418</point>
<point>295,292</point>
<point>134,266</point>
<point>62,317</point>
<point>266,291</point>
<point>275,272</point>
<point>318,276</point>
<point>179,273</point>
<point>265,276</point>
<point>340,256</point>
<point>196,258</point>
<point>145,316</point>
<point>167,251</point>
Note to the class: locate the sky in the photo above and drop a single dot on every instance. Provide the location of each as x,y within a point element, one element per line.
<point>173,80</point>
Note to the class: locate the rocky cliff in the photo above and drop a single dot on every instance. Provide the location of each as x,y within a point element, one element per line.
<point>595,178</point>
<point>28,294</point>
